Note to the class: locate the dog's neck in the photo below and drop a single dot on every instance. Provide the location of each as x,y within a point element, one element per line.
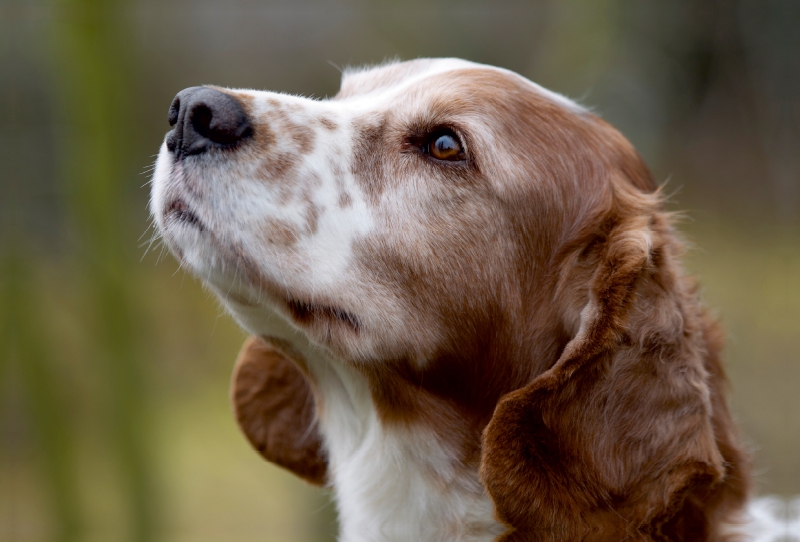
<point>393,481</point>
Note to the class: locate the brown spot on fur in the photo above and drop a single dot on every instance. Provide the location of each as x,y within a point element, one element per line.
<point>328,124</point>
<point>293,107</point>
<point>367,166</point>
<point>280,232</point>
<point>263,139</point>
<point>312,212</point>
<point>245,100</point>
<point>303,138</point>
<point>277,166</point>
<point>345,200</point>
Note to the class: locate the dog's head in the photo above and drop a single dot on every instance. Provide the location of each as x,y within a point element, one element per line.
<point>457,228</point>
<point>426,201</point>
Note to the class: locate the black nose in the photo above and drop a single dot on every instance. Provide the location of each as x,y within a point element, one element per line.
<point>204,118</point>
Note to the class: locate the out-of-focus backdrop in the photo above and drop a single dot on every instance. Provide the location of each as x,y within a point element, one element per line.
<point>114,365</point>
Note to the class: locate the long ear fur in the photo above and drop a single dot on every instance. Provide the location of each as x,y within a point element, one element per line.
<point>275,409</point>
<point>616,441</point>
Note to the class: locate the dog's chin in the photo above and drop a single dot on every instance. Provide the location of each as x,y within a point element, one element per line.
<point>311,329</point>
<point>269,311</point>
<point>261,319</point>
<point>178,214</point>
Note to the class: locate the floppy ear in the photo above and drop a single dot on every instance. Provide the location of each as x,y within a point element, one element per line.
<point>608,443</point>
<point>275,409</point>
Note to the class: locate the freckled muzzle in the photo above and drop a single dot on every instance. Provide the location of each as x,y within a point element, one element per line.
<point>205,118</point>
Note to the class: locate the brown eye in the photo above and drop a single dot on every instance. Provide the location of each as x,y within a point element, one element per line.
<point>445,146</point>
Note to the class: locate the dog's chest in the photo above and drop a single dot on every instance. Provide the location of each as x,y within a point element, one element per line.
<point>395,483</point>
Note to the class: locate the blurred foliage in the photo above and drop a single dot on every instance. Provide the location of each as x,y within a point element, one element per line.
<point>114,422</point>
<point>94,89</point>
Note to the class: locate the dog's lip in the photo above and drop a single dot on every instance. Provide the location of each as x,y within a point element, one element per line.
<point>178,211</point>
<point>306,312</point>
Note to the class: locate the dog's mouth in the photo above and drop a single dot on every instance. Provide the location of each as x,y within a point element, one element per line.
<point>303,312</point>
<point>307,313</point>
<point>178,212</point>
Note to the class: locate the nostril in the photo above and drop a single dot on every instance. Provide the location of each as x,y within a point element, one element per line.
<point>215,128</point>
<point>174,109</point>
<point>201,121</point>
<point>220,119</point>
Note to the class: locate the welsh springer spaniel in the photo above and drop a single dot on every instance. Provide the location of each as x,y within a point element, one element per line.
<point>467,308</point>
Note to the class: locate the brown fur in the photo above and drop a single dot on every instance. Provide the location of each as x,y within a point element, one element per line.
<point>275,409</point>
<point>627,436</point>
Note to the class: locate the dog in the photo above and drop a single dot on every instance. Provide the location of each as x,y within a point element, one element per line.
<point>467,307</point>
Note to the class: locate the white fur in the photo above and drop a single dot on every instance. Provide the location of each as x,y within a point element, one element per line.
<point>771,519</point>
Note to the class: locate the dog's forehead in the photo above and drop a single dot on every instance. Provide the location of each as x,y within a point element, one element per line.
<point>393,80</point>
<point>394,76</point>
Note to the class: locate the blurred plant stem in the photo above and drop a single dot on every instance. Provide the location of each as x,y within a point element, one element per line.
<point>22,343</point>
<point>95,97</point>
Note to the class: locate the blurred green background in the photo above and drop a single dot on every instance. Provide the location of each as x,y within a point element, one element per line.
<point>114,366</point>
